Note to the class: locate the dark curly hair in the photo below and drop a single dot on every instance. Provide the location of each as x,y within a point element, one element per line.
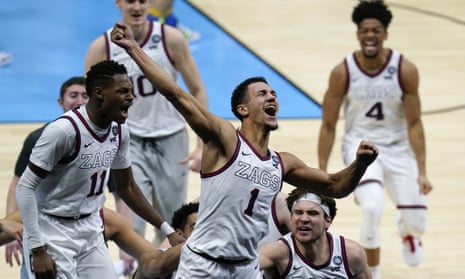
<point>372,9</point>
<point>239,95</point>
<point>299,192</point>
<point>101,74</point>
<point>180,216</point>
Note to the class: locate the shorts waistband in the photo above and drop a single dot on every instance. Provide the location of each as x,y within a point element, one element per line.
<point>219,260</point>
<point>70,218</point>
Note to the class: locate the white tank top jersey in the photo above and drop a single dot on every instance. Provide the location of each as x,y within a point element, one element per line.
<point>337,265</point>
<point>78,156</point>
<point>374,109</point>
<point>274,232</point>
<point>235,204</point>
<point>151,114</point>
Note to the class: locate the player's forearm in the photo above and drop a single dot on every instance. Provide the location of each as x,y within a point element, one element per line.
<point>27,203</point>
<point>11,204</point>
<point>417,142</point>
<point>347,179</point>
<point>325,145</point>
<point>157,76</point>
<point>161,264</point>
<point>135,200</point>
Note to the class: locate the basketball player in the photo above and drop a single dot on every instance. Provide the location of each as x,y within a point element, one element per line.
<point>379,89</point>
<point>240,173</point>
<point>61,192</point>
<point>72,94</point>
<point>159,139</point>
<point>309,250</point>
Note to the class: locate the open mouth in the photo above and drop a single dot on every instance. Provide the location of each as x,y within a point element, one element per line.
<point>270,110</point>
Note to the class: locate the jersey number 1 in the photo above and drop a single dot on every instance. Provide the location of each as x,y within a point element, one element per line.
<point>253,198</point>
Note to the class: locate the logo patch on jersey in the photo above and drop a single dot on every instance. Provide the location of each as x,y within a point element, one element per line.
<point>114,130</point>
<point>245,153</point>
<point>88,144</point>
<point>156,38</point>
<point>337,260</point>
<point>391,70</point>
<point>275,161</point>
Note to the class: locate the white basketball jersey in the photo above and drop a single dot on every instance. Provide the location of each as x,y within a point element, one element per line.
<point>235,204</point>
<point>374,109</point>
<point>78,161</point>
<point>151,114</point>
<point>299,267</point>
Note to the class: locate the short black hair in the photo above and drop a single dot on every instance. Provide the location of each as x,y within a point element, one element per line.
<point>180,216</point>
<point>101,74</point>
<point>71,81</point>
<point>239,95</point>
<point>372,9</point>
<point>299,192</point>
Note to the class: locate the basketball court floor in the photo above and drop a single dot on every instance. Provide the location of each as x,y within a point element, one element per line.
<point>294,44</point>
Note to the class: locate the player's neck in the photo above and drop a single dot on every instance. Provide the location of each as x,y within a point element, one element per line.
<point>372,64</point>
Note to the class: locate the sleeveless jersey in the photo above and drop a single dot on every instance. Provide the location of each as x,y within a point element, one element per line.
<point>151,114</point>
<point>336,267</point>
<point>78,162</point>
<point>274,232</point>
<point>235,204</point>
<point>374,109</point>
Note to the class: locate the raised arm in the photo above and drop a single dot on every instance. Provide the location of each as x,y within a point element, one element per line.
<point>216,133</point>
<point>336,185</point>
<point>178,50</point>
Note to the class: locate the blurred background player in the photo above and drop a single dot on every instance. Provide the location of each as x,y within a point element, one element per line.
<point>162,11</point>
<point>379,89</point>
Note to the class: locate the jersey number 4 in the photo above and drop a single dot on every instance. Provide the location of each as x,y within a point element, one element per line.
<point>376,111</point>
<point>97,184</point>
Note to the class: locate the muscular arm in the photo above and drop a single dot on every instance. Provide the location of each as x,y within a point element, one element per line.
<point>131,194</point>
<point>357,259</point>
<point>216,133</point>
<point>273,258</point>
<point>95,53</point>
<point>155,264</point>
<point>338,184</point>
<point>412,109</point>
<point>178,50</point>
<point>119,230</point>
<point>332,102</point>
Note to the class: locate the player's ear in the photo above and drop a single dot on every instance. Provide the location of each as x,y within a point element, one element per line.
<point>242,110</point>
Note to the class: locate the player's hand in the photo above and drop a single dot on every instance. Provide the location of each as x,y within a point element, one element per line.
<point>425,185</point>
<point>43,265</point>
<point>13,250</point>
<point>366,153</point>
<point>12,228</point>
<point>175,239</point>
<point>195,158</point>
<point>121,35</point>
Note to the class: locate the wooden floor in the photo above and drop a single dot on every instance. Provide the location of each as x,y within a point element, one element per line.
<point>304,39</point>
